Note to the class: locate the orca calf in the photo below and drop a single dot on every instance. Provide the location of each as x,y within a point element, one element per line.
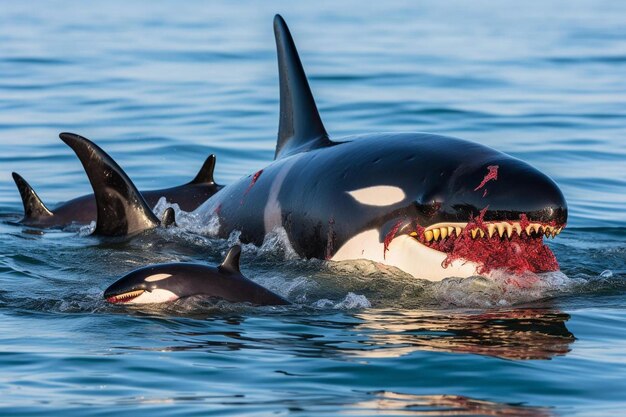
<point>82,210</point>
<point>433,206</point>
<point>168,282</point>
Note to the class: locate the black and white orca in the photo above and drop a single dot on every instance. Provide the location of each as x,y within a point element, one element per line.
<point>168,282</point>
<point>433,206</point>
<point>82,210</point>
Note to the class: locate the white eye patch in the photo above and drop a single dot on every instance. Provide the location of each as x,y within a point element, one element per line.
<point>157,277</point>
<point>378,195</point>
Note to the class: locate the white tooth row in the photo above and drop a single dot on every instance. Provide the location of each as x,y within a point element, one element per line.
<point>442,231</point>
<point>131,294</point>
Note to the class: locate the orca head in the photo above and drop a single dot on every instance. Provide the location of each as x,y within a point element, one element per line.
<point>152,284</point>
<point>464,209</point>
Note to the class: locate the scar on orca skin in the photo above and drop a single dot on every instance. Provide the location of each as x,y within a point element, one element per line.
<point>255,178</point>
<point>491,175</point>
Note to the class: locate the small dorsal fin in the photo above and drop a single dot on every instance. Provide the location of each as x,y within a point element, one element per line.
<point>33,206</point>
<point>169,218</point>
<point>121,209</point>
<point>205,175</point>
<point>300,127</point>
<point>231,261</point>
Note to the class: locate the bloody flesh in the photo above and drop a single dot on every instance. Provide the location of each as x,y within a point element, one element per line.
<point>517,254</point>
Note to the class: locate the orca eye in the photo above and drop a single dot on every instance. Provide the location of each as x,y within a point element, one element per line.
<point>378,195</point>
<point>157,277</point>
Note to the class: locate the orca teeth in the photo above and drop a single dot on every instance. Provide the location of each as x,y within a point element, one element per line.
<point>504,230</point>
<point>125,297</point>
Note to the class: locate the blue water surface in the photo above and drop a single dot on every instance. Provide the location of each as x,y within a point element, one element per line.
<point>160,85</point>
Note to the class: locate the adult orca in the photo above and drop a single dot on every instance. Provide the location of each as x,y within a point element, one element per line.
<point>168,282</point>
<point>82,210</point>
<point>433,206</point>
<point>121,209</point>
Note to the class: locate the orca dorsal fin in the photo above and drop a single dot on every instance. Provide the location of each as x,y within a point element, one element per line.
<point>205,175</point>
<point>300,127</point>
<point>121,209</point>
<point>33,206</point>
<point>231,261</point>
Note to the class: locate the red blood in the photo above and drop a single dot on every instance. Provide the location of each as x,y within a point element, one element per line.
<point>255,178</point>
<point>389,237</point>
<point>523,221</point>
<point>491,175</point>
<point>517,254</point>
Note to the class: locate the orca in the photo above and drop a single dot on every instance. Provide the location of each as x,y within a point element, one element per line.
<point>82,210</point>
<point>162,283</point>
<point>431,205</point>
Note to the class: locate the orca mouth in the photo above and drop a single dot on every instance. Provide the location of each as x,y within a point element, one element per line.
<point>124,297</point>
<point>512,246</point>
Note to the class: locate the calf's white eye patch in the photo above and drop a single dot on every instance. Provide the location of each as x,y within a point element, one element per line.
<point>157,277</point>
<point>378,195</point>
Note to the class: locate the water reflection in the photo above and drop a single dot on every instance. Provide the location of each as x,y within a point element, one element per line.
<point>515,334</point>
<point>357,403</point>
<point>384,402</point>
<point>510,334</point>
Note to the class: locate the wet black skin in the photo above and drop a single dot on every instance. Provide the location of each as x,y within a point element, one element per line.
<point>224,282</point>
<point>306,189</point>
<point>82,210</point>
<point>438,175</point>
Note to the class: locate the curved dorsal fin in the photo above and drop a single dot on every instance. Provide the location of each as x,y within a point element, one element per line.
<point>205,175</point>
<point>33,206</point>
<point>300,127</point>
<point>231,261</point>
<point>121,208</point>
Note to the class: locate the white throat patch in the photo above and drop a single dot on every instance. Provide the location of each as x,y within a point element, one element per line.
<point>155,296</point>
<point>405,253</point>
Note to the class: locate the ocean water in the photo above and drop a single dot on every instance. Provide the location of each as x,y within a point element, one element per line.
<point>160,85</point>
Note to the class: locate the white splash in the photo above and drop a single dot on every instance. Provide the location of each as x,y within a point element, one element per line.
<point>350,302</point>
<point>87,229</point>
<point>189,221</point>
